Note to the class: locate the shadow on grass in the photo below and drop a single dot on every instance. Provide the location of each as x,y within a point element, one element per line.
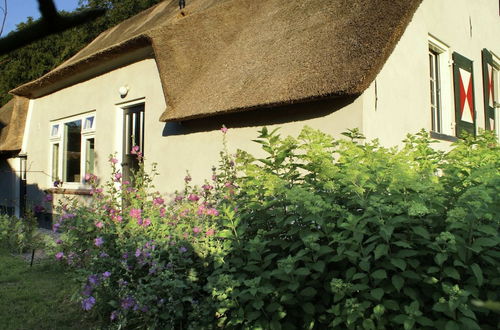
<point>37,297</point>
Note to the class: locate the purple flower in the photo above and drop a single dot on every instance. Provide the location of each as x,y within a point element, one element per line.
<point>57,183</point>
<point>48,198</point>
<point>59,241</point>
<point>38,209</point>
<point>114,316</point>
<point>128,303</point>
<point>87,290</point>
<point>106,274</point>
<point>103,255</point>
<point>56,226</point>
<point>98,241</point>
<point>93,279</point>
<point>182,249</point>
<point>125,255</point>
<point>137,252</point>
<point>88,303</point>
<point>59,255</point>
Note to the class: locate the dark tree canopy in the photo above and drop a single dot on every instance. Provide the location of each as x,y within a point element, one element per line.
<point>32,61</point>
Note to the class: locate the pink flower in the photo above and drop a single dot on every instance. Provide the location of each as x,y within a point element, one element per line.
<point>187,178</point>
<point>125,182</point>
<point>193,197</point>
<point>207,187</point>
<point>178,198</point>
<point>214,177</point>
<point>158,201</point>
<point>135,150</point>
<point>196,230</point>
<point>135,213</point>
<point>59,255</point>
<point>118,176</point>
<point>88,176</point>
<point>117,218</point>
<point>146,222</point>
<point>210,232</point>
<point>162,212</point>
<point>113,160</point>
<point>213,212</point>
<point>99,224</point>
<point>223,129</point>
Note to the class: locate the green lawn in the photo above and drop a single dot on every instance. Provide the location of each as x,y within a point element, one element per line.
<point>36,297</point>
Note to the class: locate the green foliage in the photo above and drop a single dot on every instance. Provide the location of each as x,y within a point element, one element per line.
<point>19,234</point>
<point>33,61</point>
<point>341,234</point>
<point>318,233</point>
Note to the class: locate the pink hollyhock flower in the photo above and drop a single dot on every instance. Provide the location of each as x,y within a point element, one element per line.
<point>135,213</point>
<point>201,210</point>
<point>223,129</point>
<point>118,176</point>
<point>113,160</point>
<point>146,222</point>
<point>184,213</point>
<point>196,230</point>
<point>98,241</point>
<point>213,212</point>
<point>162,212</point>
<point>193,197</point>
<point>214,177</point>
<point>125,182</point>
<point>187,178</point>
<point>99,224</point>
<point>117,218</point>
<point>88,177</point>
<point>59,255</point>
<point>178,198</point>
<point>158,201</point>
<point>210,232</point>
<point>135,150</point>
<point>207,187</point>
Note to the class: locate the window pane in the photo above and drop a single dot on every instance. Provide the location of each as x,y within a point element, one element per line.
<point>89,122</point>
<point>55,162</point>
<point>55,130</point>
<point>72,152</point>
<point>90,152</point>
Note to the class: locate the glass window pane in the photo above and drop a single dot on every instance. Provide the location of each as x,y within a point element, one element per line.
<point>55,130</point>
<point>89,122</point>
<point>72,152</point>
<point>90,152</point>
<point>55,162</point>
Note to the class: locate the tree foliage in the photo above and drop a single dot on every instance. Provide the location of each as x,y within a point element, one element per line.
<point>33,61</point>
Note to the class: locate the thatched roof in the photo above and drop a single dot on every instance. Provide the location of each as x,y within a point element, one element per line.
<point>12,122</point>
<point>233,55</point>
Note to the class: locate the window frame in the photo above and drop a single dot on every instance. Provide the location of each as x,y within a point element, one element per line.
<point>496,93</point>
<point>442,54</point>
<point>86,133</point>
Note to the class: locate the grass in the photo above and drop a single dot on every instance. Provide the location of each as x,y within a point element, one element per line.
<point>37,297</point>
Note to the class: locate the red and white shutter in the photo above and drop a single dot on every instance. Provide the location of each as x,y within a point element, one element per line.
<point>463,83</point>
<point>488,87</point>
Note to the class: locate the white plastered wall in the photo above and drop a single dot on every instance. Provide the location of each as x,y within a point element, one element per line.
<point>194,150</point>
<point>398,101</point>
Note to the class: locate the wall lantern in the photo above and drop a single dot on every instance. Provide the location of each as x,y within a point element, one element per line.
<point>123,91</point>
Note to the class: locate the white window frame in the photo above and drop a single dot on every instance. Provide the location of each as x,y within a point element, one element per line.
<point>86,134</point>
<point>445,82</point>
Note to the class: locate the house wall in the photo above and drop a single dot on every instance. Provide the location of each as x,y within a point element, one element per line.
<point>398,101</point>
<point>9,185</point>
<point>176,147</point>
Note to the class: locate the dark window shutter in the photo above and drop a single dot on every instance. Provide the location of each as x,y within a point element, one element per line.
<point>463,83</point>
<point>489,107</point>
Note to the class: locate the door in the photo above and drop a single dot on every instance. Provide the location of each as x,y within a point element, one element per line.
<point>133,143</point>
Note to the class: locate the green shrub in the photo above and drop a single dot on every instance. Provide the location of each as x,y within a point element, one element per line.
<point>320,233</point>
<point>341,234</point>
<point>19,234</point>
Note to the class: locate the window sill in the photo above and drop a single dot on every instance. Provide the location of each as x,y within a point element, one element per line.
<point>444,137</point>
<point>66,191</point>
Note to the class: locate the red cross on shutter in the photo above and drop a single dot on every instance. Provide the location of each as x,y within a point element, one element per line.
<point>466,101</point>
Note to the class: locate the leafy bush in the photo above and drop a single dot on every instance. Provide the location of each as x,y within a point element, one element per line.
<point>320,233</point>
<point>19,234</point>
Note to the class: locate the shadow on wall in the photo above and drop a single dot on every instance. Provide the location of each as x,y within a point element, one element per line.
<point>260,117</point>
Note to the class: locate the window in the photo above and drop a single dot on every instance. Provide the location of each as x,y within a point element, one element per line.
<point>441,107</point>
<point>72,143</point>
